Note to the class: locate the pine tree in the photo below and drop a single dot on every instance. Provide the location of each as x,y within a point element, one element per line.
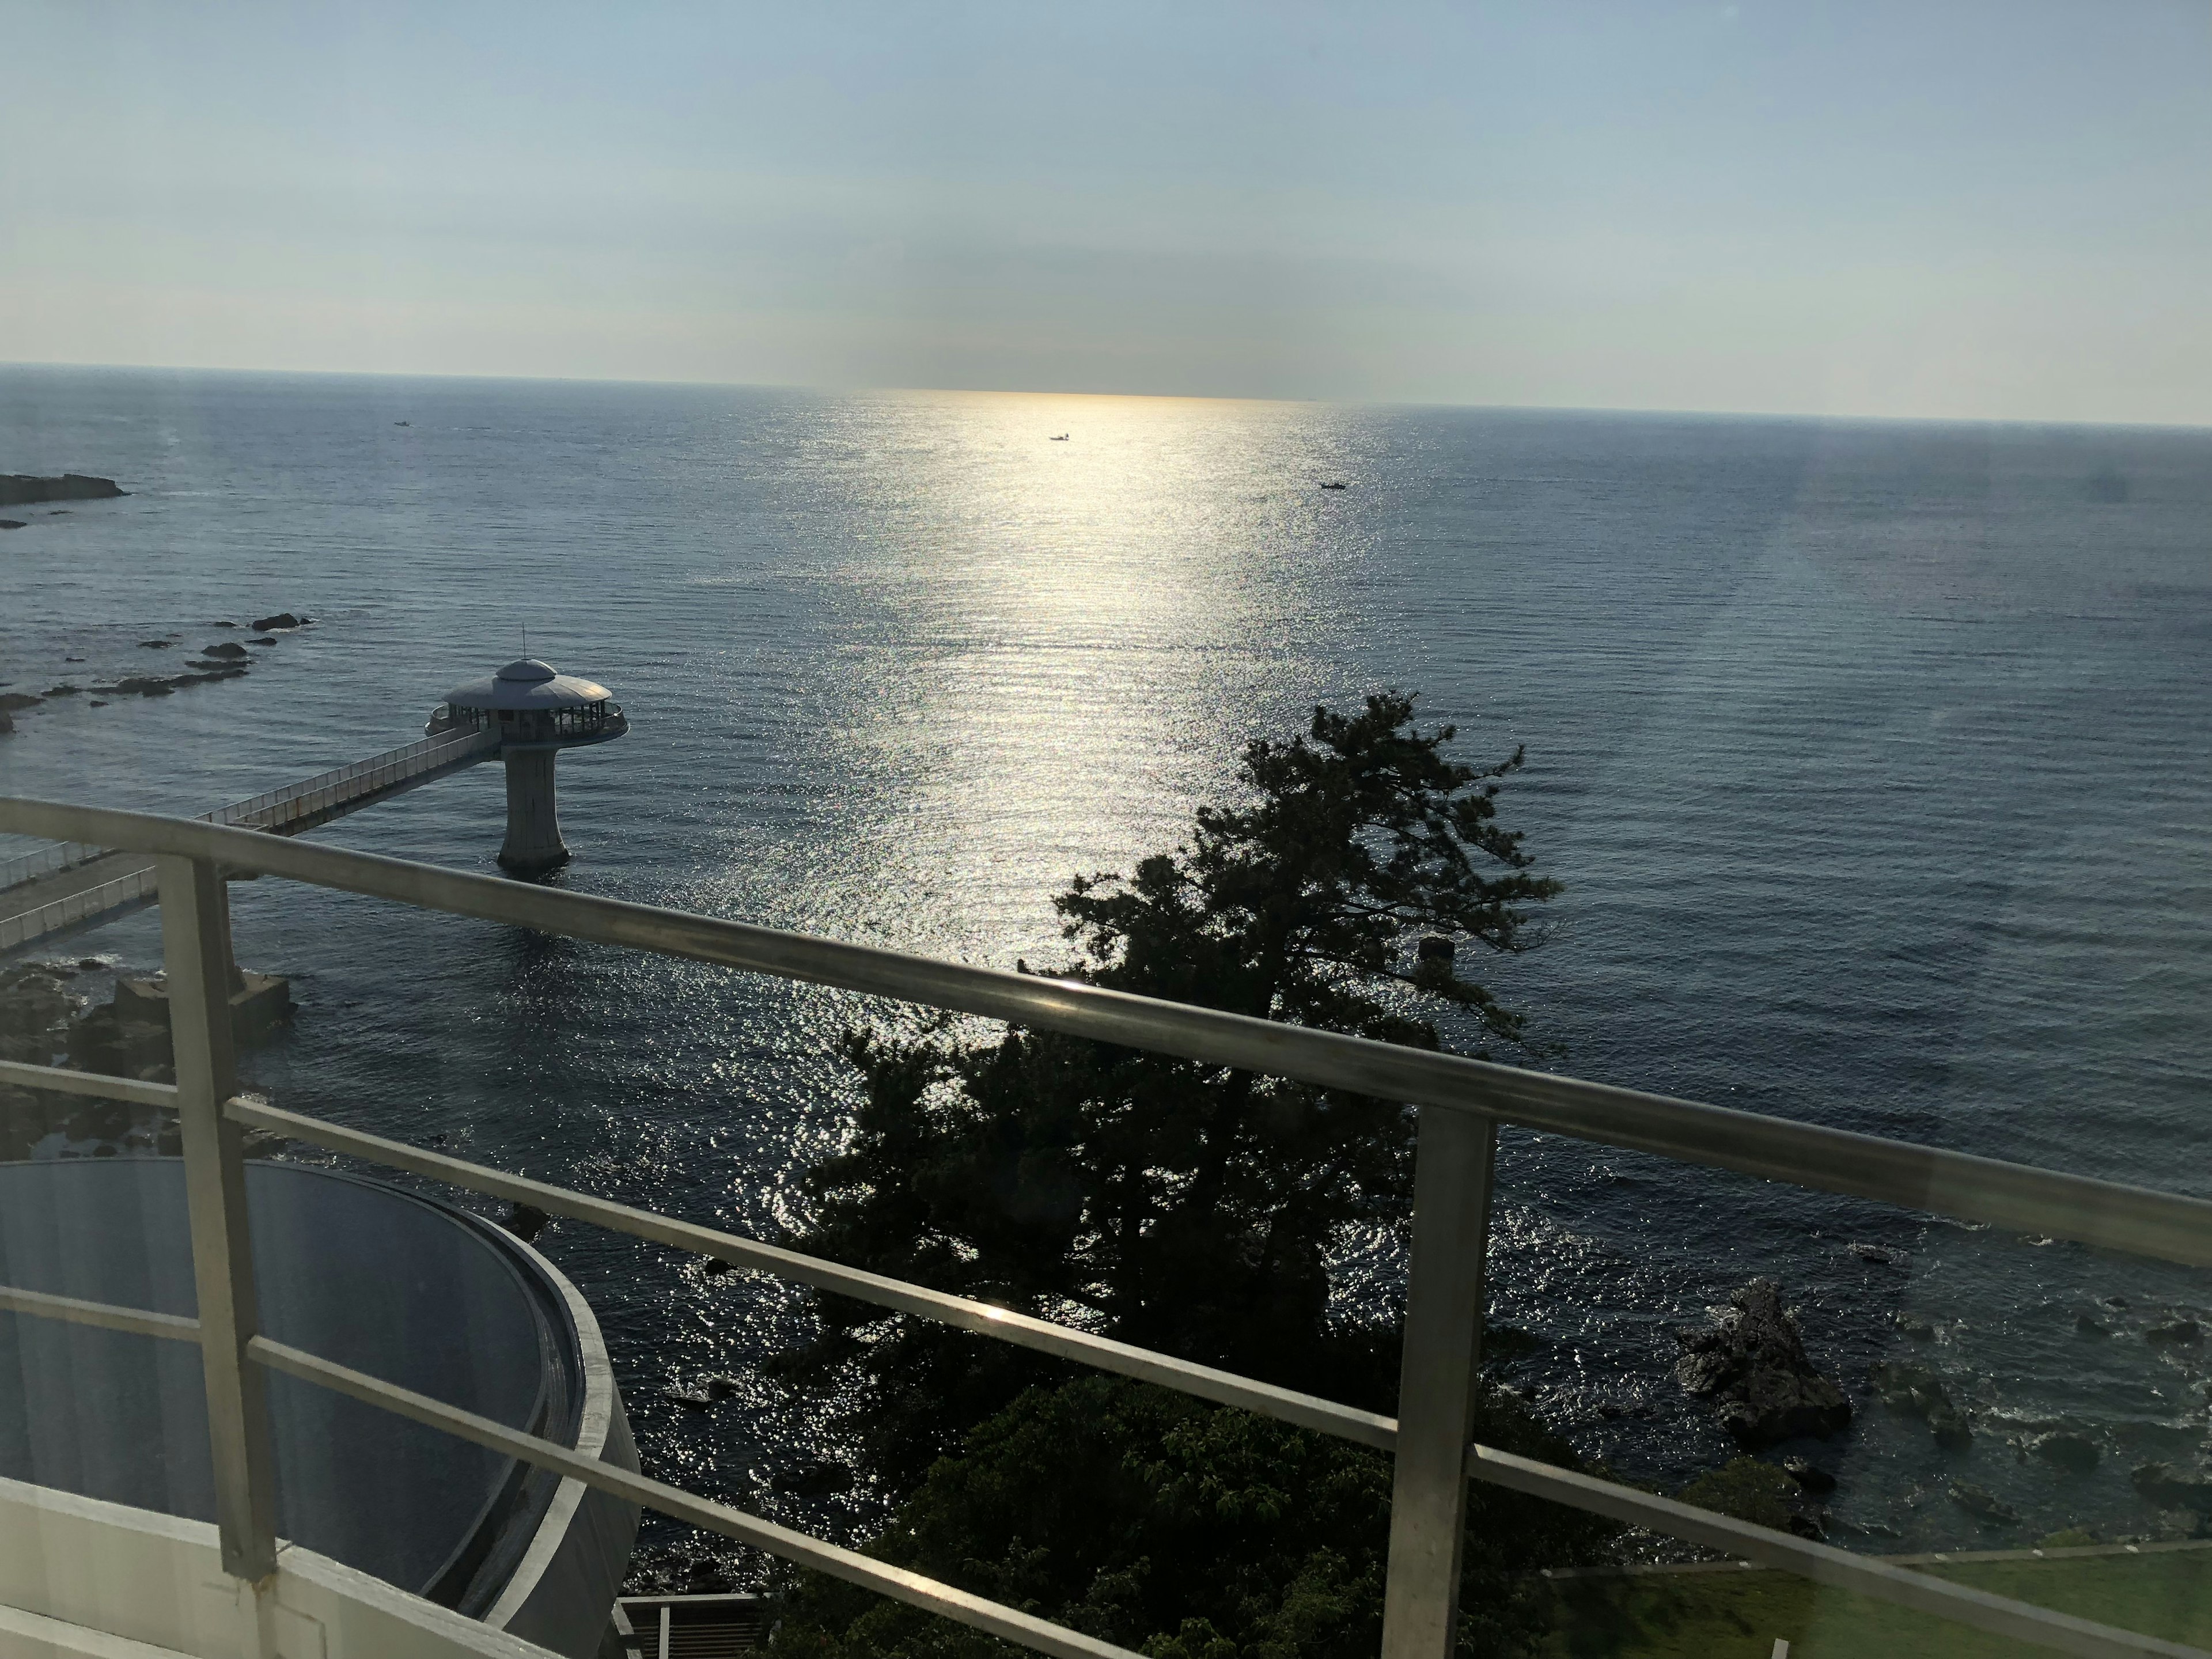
<point>1194,1209</point>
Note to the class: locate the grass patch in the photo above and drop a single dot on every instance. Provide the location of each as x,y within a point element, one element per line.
<point>1723,1616</point>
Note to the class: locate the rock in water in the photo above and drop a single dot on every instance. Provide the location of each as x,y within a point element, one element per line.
<point>224,648</point>
<point>2069,1451</point>
<point>1984,1505</point>
<point>2162,1485</point>
<point>16,489</point>
<point>1752,1363</point>
<point>1907,1386</point>
<point>282,619</point>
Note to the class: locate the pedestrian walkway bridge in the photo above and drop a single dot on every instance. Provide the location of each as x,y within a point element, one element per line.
<point>70,886</point>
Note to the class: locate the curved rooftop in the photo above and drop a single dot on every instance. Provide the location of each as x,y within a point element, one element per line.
<point>386,1281</point>
<point>528,684</point>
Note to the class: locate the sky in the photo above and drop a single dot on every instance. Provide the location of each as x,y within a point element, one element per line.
<point>1953,209</point>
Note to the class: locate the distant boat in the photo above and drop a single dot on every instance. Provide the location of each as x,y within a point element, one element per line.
<point>1060,437</point>
<point>1336,486</point>
<point>403,423</point>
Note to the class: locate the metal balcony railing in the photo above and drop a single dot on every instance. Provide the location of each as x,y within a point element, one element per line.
<point>1461,1102</point>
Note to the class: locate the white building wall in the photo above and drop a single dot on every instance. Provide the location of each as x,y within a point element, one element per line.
<point>80,1576</point>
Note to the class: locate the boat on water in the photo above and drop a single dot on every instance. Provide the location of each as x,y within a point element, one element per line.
<point>1332,485</point>
<point>1060,437</point>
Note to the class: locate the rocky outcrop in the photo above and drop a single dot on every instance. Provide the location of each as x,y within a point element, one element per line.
<point>1909,1387</point>
<point>2162,1484</point>
<point>282,619</point>
<point>17,488</point>
<point>2063,1449</point>
<point>34,1004</point>
<point>1983,1505</point>
<point>230,649</point>
<point>1752,1365</point>
<point>130,1035</point>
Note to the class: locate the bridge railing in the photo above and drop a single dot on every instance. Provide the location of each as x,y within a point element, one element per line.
<point>1460,1103</point>
<point>45,861</point>
<point>25,926</point>
<point>275,807</point>
<point>312,796</point>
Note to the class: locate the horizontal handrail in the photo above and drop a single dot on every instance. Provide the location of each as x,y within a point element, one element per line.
<point>1308,1410</point>
<point>101,1084</point>
<point>850,1565</point>
<point>2092,1211</point>
<point>107,1316</point>
<point>1824,1563</point>
<point>1820,1563</point>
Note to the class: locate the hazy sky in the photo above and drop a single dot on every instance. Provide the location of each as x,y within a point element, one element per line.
<point>1921,209</point>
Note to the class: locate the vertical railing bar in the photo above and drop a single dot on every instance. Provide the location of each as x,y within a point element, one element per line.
<point>195,950</point>
<point>1453,1167</point>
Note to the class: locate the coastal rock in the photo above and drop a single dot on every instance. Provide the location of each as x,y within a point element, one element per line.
<point>33,1007</point>
<point>17,488</point>
<point>1909,1387</point>
<point>2161,1485</point>
<point>62,691</point>
<point>139,686</point>
<point>282,619</point>
<point>10,701</point>
<point>156,644</point>
<point>2173,1332</point>
<point>230,649</point>
<point>1808,1474</point>
<point>13,524</point>
<point>2076,1452</point>
<point>1752,1365</point>
<point>1984,1505</point>
<point>813,1479</point>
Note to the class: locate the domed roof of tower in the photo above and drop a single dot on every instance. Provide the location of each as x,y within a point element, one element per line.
<point>528,684</point>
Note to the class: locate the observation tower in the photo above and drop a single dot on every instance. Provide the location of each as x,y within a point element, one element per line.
<point>537,712</point>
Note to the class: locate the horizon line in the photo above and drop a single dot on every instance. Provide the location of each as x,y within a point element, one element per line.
<point>1623,409</point>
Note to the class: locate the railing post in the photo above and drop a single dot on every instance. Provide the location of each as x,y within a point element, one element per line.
<point>195,950</point>
<point>1436,1382</point>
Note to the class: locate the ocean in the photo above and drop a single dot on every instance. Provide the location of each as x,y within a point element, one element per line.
<point>1876,757</point>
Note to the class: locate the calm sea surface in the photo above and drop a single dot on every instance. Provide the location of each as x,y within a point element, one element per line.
<point>1876,759</point>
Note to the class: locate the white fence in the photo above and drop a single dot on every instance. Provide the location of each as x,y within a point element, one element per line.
<point>325,790</point>
<point>26,925</point>
<point>45,861</point>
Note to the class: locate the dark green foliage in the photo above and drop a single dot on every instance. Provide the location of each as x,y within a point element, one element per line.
<point>1181,1529</point>
<point>1179,1207</point>
<point>1187,1208</point>
<point>1749,1490</point>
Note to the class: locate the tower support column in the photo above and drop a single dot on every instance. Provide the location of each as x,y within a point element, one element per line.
<point>533,824</point>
